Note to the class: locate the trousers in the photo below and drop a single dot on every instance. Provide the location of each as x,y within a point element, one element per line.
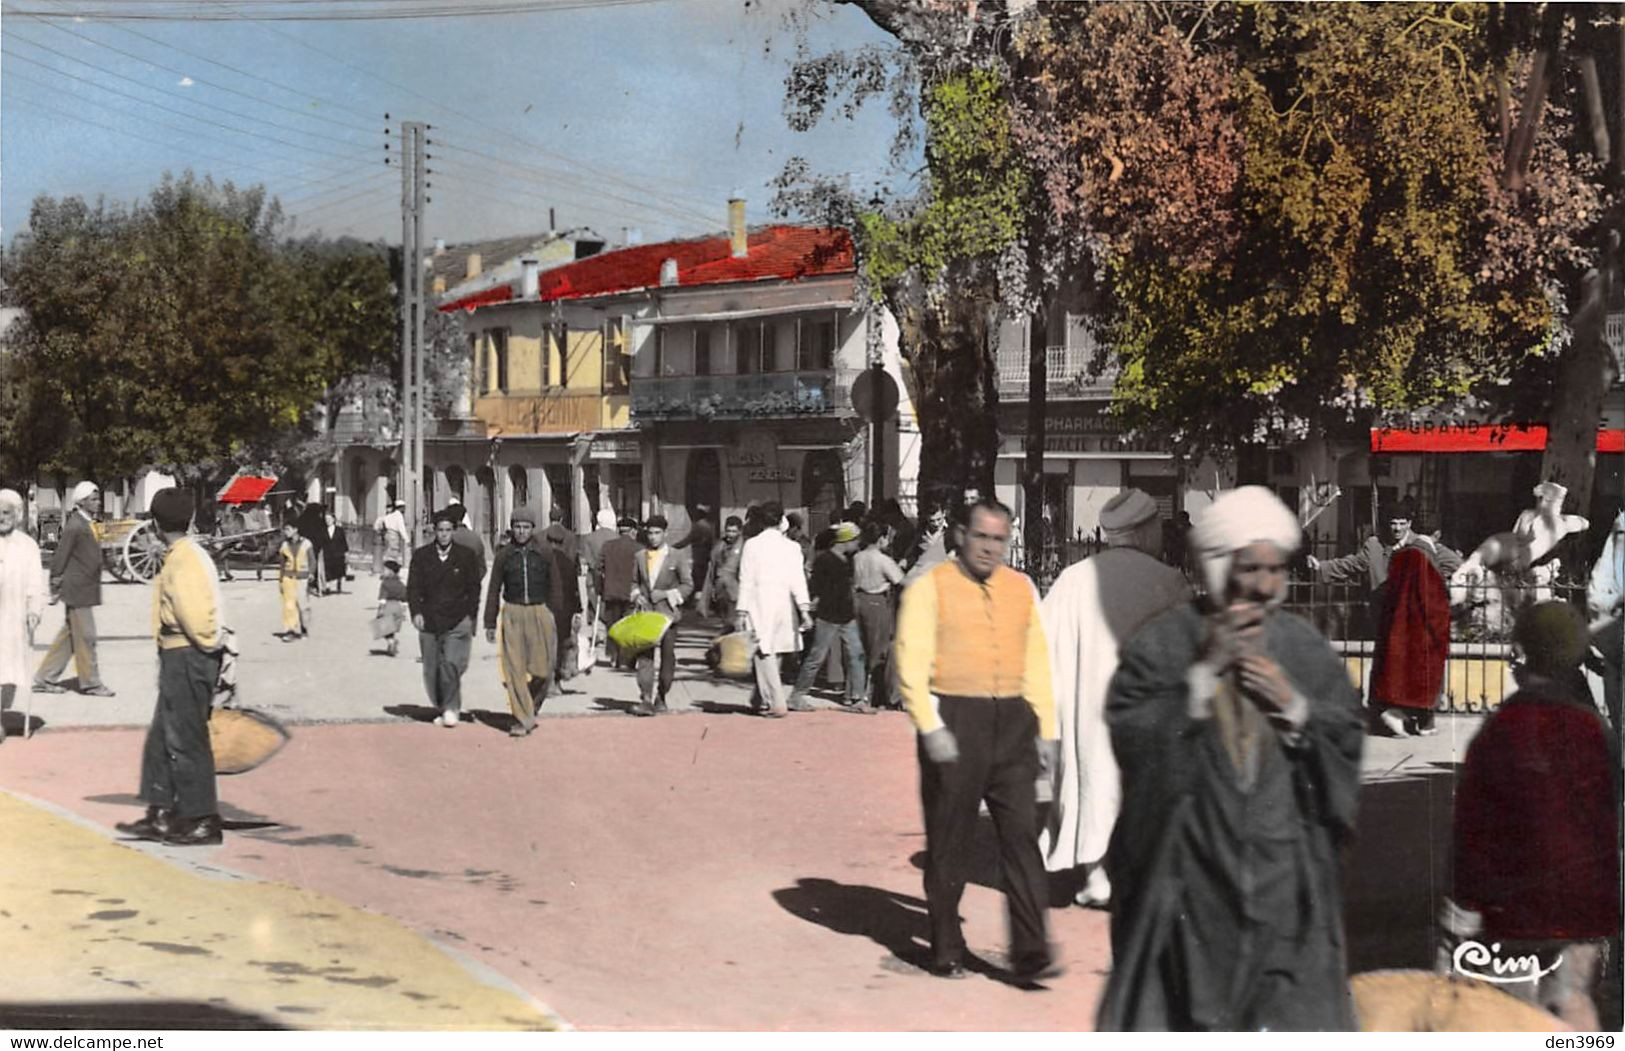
<point>998,762</point>
<point>825,633</point>
<point>526,646</point>
<point>770,691</point>
<point>177,761</point>
<point>445,658</point>
<point>667,651</point>
<point>77,639</point>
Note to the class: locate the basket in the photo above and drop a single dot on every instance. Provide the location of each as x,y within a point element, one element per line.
<point>730,655</point>
<point>243,739</point>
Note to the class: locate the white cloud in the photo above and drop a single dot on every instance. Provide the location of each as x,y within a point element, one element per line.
<point>186,82</point>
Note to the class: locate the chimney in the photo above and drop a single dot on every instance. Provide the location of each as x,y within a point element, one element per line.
<point>529,278</point>
<point>736,226</point>
<point>550,224</point>
<point>473,269</point>
<point>439,246</point>
<point>668,273</point>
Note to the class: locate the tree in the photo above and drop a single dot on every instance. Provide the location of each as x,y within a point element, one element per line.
<point>185,332</point>
<point>934,258</point>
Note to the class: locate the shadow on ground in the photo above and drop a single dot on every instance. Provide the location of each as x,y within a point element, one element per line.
<point>135,1014</point>
<point>1397,871</point>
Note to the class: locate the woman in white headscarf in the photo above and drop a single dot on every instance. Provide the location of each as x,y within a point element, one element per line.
<point>22,600</point>
<point>1238,735</point>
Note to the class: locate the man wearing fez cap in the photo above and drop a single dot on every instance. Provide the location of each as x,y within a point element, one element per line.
<point>443,594</point>
<point>521,578</point>
<point>76,579</point>
<point>1094,608</point>
<point>177,762</point>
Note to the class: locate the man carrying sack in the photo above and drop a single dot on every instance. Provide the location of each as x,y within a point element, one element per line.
<point>177,762</point>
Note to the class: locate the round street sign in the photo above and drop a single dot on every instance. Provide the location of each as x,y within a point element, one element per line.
<point>874,395</point>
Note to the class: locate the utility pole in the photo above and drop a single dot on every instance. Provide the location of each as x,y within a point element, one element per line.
<point>413,388</point>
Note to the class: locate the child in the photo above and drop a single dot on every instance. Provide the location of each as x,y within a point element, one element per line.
<point>391,605</point>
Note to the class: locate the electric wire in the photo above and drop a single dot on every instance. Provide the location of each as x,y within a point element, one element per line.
<point>466,9</point>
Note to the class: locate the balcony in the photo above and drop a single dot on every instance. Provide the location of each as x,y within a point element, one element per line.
<point>546,412</point>
<point>760,395</point>
<point>1068,372</point>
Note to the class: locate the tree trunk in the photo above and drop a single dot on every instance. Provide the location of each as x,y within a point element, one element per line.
<point>956,395</point>
<point>1585,372</point>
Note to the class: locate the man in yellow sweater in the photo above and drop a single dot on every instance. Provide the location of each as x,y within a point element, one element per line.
<point>974,672</point>
<point>177,763</point>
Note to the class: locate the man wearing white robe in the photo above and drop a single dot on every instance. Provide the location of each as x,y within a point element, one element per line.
<point>1094,608</point>
<point>773,605</point>
<point>22,601</point>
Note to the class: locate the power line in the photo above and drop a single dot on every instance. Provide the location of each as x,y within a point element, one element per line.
<point>222,65</point>
<point>177,112</point>
<point>191,134</point>
<point>465,9</point>
<point>193,101</point>
<point>681,213</point>
<point>461,170</point>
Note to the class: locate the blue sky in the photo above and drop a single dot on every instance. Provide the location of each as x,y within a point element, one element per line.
<point>642,114</point>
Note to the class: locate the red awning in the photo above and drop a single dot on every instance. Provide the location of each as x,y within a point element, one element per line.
<point>1478,438</point>
<point>245,489</point>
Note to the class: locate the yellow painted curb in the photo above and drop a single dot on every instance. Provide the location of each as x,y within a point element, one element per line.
<point>95,929</point>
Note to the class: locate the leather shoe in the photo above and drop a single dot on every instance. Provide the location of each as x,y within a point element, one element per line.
<point>953,969</point>
<point>641,708</point>
<point>660,704</point>
<point>800,706</point>
<point>49,687</point>
<point>1036,968</point>
<point>158,823</point>
<point>198,832</point>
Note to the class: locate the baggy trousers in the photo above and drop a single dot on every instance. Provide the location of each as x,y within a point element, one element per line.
<point>177,762</point>
<point>77,639</point>
<point>645,665</point>
<point>445,658</point>
<point>998,762</point>
<point>526,645</point>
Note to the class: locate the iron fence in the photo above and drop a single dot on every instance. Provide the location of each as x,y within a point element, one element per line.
<point>1478,669</point>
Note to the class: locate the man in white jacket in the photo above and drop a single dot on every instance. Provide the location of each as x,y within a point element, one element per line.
<point>773,605</point>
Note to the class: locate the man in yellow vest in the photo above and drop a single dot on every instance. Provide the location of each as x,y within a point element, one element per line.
<point>974,672</point>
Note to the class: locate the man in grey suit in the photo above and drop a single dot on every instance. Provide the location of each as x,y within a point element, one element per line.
<point>76,579</point>
<point>663,581</point>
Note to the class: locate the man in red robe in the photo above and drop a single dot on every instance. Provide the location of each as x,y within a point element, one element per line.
<point>1413,641</point>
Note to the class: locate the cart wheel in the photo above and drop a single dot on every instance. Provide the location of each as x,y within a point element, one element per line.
<point>113,562</point>
<point>143,552</point>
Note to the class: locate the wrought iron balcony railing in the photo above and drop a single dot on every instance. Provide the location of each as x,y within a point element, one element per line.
<point>767,394</point>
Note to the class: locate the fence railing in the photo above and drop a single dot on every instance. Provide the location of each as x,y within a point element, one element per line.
<point>1478,668</point>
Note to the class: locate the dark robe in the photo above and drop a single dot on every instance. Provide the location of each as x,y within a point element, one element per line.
<point>1226,897</point>
<point>1413,633</point>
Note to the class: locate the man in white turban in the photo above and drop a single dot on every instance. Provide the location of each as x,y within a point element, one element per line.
<point>76,579</point>
<point>22,600</point>
<point>1094,608</point>
<point>1238,735</point>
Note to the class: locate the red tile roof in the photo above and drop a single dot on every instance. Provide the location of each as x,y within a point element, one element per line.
<point>782,253</point>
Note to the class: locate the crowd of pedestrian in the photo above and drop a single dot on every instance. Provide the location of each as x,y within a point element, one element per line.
<point>1187,757</point>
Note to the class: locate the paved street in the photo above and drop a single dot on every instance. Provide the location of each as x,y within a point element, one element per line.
<point>704,870</point>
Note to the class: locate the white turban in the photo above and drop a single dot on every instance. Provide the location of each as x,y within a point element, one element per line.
<point>1236,519</point>
<point>11,498</point>
<point>82,490</point>
<point>606,518</point>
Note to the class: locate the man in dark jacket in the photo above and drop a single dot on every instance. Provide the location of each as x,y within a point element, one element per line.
<point>443,593</point>
<point>564,599</point>
<point>617,564</point>
<point>465,536</point>
<point>76,579</point>
<point>312,523</point>
<point>522,578</point>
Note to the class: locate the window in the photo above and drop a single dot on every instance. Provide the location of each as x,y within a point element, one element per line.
<point>558,336</point>
<point>499,351</point>
<point>815,345</point>
<point>755,352</point>
<point>702,352</point>
<point>617,362</point>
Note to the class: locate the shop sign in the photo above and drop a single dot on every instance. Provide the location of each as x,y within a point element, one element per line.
<point>614,449</point>
<point>1477,436</point>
